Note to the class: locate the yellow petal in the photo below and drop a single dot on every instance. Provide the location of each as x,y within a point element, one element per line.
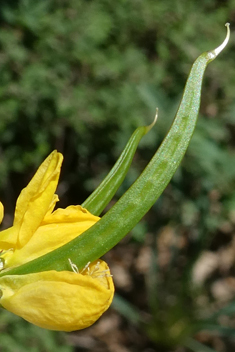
<point>8,233</point>
<point>65,300</point>
<point>55,199</point>
<point>34,202</point>
<point>56,230</point>
<point>1,212</point>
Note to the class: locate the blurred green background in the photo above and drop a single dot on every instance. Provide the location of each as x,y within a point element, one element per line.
<point>79,76</point>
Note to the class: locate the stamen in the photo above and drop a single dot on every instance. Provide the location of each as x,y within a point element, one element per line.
<point>96,268</point>
<point>86,267</point>
<point>105,275</point>
<point>73,266</point>
<point>2,264</point>
<point>95,272</point>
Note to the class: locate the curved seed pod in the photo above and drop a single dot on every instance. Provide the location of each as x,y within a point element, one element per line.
<point>102,195</point>
<point>134,204</point>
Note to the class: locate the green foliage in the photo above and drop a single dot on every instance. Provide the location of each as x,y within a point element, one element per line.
<point>19,336</point>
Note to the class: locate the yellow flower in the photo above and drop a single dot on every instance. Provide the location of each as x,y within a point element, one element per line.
<point>65,300</point>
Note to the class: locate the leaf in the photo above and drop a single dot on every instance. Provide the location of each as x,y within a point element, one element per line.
<point>197,346</point>
<point>127,310</point>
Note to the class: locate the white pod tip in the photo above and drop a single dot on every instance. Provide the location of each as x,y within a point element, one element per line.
<point>214,53</point>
